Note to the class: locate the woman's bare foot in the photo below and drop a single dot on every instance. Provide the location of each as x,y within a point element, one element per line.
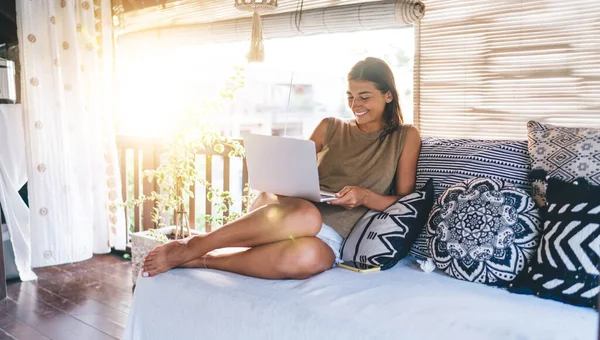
<point>164,257</point>
<point>167,256</point>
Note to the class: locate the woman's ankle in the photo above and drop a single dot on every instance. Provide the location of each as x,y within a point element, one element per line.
<point>195,248</point>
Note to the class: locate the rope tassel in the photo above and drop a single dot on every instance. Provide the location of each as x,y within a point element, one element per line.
<point>257,47</point>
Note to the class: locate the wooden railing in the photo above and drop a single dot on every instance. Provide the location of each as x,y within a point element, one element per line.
<point>137,154</point>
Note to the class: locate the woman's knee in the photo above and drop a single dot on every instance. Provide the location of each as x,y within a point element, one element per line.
<point>263,199</point>
<point>305,257</point>
<point>300,215</point>
<point>305,214</point>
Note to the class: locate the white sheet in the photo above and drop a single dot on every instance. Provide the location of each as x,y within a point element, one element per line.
<point>401,303</point>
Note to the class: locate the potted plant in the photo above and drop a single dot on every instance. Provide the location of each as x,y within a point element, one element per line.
<point>176,176</point>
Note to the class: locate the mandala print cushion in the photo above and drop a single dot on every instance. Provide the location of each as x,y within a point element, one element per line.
<point>483,231</point>
<point>383,238</point>
<point>449,161</point>
<point>562,152</point>
<point>565,267</point>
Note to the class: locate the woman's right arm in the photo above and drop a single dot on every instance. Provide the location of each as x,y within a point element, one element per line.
<point>318,135</point>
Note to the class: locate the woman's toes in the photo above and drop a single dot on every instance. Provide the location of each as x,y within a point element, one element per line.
<point>147,267</point>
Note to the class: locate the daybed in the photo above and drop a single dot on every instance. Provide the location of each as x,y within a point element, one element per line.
<point>403,302</point>
<point>397,304</point>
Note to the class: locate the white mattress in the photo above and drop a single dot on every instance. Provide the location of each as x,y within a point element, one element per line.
<point>401,303</point>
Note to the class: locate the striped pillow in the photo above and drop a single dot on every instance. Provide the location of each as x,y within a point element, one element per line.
<point>565,267</point>
<point>450,161</point>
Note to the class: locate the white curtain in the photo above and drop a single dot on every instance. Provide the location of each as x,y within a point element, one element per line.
<point>74,183</point>
<point>13,175</point>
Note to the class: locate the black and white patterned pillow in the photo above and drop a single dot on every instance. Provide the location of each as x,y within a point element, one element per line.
<point>483,231</point>
<point>384,238</point>
<point>565,267</point>
<point>449,161</point>
<point>562,152</point>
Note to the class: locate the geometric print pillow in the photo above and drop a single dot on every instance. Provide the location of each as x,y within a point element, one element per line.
<point>562,152</point>
<point>382,238</point>
<point>565,267</point>
<point>450,161</point>
<point>483,231</point>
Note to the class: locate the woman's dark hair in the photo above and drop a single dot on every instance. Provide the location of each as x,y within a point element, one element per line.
<point>377,71</point>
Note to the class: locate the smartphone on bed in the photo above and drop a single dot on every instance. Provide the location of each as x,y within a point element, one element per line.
<point>359,267</point>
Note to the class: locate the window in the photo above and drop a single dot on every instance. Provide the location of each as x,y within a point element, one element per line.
<point>302,80</point>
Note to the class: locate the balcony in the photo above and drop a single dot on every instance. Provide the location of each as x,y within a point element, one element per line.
<point>137,154</point>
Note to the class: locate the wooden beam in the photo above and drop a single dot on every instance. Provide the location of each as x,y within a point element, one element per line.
<point>244,180</point>
<point>226,175</point>
<point>208,210</point>
<point>147,187</point>
<point>192,214</point>
<point>136,189</point>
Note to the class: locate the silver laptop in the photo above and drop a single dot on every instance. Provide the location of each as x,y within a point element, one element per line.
<point>284,166</point>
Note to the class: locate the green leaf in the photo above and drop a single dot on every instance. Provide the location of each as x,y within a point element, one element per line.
<point>219,148</point>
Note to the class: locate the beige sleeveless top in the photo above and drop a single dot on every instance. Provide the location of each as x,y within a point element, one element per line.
<point>351,157</point>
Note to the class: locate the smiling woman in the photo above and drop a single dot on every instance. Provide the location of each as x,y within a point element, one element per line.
<point>373,97</point>
<point>370,162</point>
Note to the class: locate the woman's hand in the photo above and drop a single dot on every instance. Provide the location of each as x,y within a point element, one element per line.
<point>351,197</point>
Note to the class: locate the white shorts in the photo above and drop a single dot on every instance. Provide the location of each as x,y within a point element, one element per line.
<point>333,240</point>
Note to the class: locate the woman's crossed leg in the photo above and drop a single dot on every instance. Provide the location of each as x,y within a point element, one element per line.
<point>280,232</point>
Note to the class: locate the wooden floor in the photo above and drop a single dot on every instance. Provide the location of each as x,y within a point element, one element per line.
<point>82,301</point>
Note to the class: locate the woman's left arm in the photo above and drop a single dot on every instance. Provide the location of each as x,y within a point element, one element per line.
<point>406,176</point>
